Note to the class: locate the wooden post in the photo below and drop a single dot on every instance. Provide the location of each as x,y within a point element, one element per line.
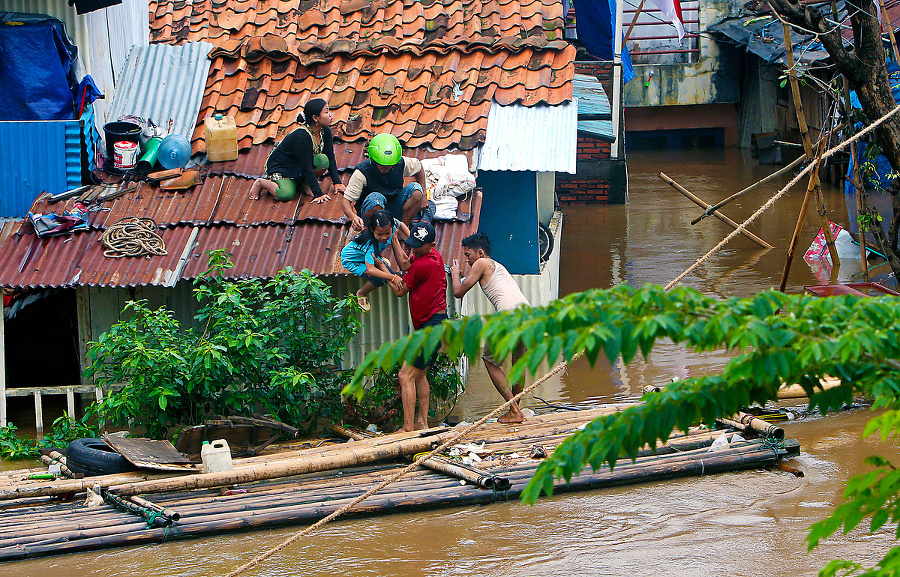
<point>813,182</point>
<point>70,403</point>
<point>634,20</point>
<point>887,20</point>
<point>2,367</point>
<point>858,185</point>
<point>807,145</point>
<point>38,412</point>
<point>699,202</point>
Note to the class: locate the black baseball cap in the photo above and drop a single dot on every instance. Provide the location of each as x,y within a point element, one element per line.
<point>422,233</point>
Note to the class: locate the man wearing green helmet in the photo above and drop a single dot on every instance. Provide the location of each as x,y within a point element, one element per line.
<point>377,184</point>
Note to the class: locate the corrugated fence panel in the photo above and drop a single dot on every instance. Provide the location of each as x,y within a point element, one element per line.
<point>36,157</point>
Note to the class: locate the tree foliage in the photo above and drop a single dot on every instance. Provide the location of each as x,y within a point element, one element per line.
<point>263,347</point>
<point>776,338</point>
<point>862,63</point>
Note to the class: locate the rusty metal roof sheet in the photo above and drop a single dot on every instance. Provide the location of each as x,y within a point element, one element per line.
<point>27,261</point>
<point>219,199</point>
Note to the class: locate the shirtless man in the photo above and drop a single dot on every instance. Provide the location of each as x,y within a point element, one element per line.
<point>504,294</point>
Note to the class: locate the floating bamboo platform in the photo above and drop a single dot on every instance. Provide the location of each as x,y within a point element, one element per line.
<point>299,487</point>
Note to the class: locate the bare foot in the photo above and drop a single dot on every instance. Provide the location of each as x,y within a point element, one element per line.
<point>513,416</point>
<point>421,425</point>
<point>403,430</point>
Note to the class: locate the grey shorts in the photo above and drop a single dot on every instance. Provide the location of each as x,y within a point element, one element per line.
<point>488,355</point>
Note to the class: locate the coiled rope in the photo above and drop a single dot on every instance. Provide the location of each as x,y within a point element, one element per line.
<point>781,193</point>
<point>133,236</point>
<point>412,467</point>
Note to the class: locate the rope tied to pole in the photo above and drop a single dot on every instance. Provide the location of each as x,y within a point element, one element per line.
<point>133,236</point>
<point>412,467</point>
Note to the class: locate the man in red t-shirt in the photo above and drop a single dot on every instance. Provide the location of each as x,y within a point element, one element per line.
<point>426,283</point>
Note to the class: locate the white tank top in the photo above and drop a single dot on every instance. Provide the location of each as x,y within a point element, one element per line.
<point>502,290</point>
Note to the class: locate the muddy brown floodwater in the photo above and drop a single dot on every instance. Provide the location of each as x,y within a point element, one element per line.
<point>747,523</point>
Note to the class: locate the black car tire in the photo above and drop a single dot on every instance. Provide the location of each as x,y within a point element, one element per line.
<point>93,457</point>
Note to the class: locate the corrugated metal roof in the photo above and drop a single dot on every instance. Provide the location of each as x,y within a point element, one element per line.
<point>260,251</point>
<point>220,199</point>
<point>539,138</point>
<point>592,99</point>
<point>164,83</point>
<point>37,156</point>
<point>594,112</point>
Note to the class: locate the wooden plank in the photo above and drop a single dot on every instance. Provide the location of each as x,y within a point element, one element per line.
<point>83,319</point>
<point>150,453</point>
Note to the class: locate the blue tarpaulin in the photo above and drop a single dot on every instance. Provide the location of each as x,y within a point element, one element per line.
<point>35,62</point>
<point>595,22</point>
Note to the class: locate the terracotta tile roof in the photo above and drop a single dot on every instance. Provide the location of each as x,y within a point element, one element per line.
<point>424,71</point>
<point>27,261</point>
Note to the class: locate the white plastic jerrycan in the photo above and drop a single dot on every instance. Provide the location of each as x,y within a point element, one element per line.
<point>216,456</point>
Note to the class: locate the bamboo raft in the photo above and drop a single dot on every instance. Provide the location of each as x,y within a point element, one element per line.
<point>298,487</point>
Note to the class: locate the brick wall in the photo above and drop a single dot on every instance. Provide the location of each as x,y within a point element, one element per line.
<point>592,149</point>
<point>583,187</point>
<point>571,189</point>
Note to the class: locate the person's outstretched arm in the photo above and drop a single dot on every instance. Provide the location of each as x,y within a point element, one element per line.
<point>462,286</point>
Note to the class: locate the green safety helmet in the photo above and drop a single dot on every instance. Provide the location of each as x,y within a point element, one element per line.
<point>320,161</point>
<point>385,149</point>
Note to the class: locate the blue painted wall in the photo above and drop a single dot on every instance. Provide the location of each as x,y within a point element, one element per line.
<point>36,157</point>
<point>509,216</point>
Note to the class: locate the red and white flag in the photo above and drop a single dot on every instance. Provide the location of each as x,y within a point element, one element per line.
<point>672,10</point>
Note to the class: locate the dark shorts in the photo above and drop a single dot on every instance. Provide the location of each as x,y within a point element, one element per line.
<point>420,362</point>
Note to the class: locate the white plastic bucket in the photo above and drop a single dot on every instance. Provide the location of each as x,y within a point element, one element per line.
<point>125,154</point>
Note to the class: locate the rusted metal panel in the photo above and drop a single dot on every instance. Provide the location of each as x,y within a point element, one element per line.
<point>78,260</point>
<point>257,251</point>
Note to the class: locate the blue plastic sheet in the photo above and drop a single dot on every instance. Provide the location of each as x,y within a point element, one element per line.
<point>595,21</point>
<point>34,70</point>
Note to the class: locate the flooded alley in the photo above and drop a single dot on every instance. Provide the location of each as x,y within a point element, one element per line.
<point>741,523</point>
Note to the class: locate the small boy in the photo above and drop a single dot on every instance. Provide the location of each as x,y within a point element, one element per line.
<point>426,283</point>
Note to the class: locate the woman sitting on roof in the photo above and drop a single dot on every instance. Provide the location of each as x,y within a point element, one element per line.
<point>301,158</point>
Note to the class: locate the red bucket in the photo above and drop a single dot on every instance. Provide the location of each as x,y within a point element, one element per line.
<point>125,154</point>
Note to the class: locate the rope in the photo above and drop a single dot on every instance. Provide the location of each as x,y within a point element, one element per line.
<point>133,236</point>
<point>412,467</point>
<point>781,193</point>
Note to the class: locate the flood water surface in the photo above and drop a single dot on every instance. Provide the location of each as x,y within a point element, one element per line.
<point>744,523</point>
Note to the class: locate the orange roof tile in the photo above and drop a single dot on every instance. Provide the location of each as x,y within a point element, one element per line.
<point>425,71</point>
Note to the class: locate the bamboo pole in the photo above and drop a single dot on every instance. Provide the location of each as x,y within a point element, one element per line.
<point>807,145</point>
<point>886,19</point>
<point>795,391</point>
<point>858,185</point>
<point>477,478</point>
<point>286,468</point>
<point>633,21</point>
<point>753,186</point>
<point>813,182</point>
<point>452,496</point>
<point>745,422</point>
<point>699,202</point>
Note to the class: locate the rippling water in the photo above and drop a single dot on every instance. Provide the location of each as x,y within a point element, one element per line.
<point>734,524</point>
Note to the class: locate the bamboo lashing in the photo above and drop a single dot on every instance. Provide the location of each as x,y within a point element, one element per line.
<point>701,203</point>
<point>781,193</point>
<point>411,467</point>
<point>710,210</point>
